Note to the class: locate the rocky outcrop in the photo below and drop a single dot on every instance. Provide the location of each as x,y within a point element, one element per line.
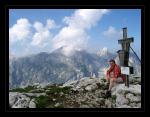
<point>127,97</point>
<point>32,104</point>
<point>84,93</point>
<point>23,100</point>
<point>17,100</point>
<point>95,89</point>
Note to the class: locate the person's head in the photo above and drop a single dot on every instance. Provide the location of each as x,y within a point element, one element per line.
<point>112,62</point>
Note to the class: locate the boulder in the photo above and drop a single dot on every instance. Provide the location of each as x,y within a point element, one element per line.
<point>32,104</point>
<point>91,87</point>
<point>22,100</point>
<point>13,97</point>
<point>108,103</point>
<point>133,98</point>
<point>54,99</point>
<point>57,104</point>
<point>121,100</point>
<point>22,103</point>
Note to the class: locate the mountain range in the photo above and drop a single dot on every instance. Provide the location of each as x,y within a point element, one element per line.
<point>55,67</point>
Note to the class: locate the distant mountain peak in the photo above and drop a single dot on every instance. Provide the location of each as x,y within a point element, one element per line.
<point>103,52</point>
<point>67,50</point>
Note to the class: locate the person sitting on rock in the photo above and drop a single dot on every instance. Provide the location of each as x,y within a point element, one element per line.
<point>113,76</point>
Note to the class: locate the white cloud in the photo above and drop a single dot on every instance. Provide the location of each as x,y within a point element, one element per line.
<point>70,39</point>
<point>74,36</point>
<point>112,33</point>
<point>85,18</point>
<point>20,31</point>
<point>23,30</point>
<point>42,36</point>
<point>29,37</point>
<point>38,26</point>
<point>50,24</point>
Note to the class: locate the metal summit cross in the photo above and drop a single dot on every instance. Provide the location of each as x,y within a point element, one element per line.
<point>124,53</point>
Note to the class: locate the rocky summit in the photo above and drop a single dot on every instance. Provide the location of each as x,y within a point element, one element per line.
<point>84,93</point>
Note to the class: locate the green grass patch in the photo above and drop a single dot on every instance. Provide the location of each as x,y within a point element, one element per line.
<point>47,101</point>
<point>42,101</point>
<point>56,89</point>
<point>53,93</point>
<point>21,90</point>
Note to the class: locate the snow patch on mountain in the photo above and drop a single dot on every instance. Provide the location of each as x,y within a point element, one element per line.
<point>103,52</point>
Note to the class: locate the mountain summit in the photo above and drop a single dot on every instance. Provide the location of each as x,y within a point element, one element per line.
<point>103,52</point>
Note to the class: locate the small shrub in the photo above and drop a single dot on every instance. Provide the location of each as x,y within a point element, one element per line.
<point>103,79</point>
<point>42,101</point>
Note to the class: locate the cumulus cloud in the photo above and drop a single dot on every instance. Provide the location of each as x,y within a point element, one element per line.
<point>23,30</point>
<point>50,24</point>
<point>39,27</point>
<point>74,36</point>
<point>42,35</point>
<point>112,33</point>
<point>29,37</point>
<point>41,38</point>
<point>20,31</point>
<point>85,18</point>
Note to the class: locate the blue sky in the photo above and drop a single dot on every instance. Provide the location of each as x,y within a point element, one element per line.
<point>34,30</point>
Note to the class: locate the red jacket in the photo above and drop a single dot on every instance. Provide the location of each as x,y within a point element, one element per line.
<point>116,71</point>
